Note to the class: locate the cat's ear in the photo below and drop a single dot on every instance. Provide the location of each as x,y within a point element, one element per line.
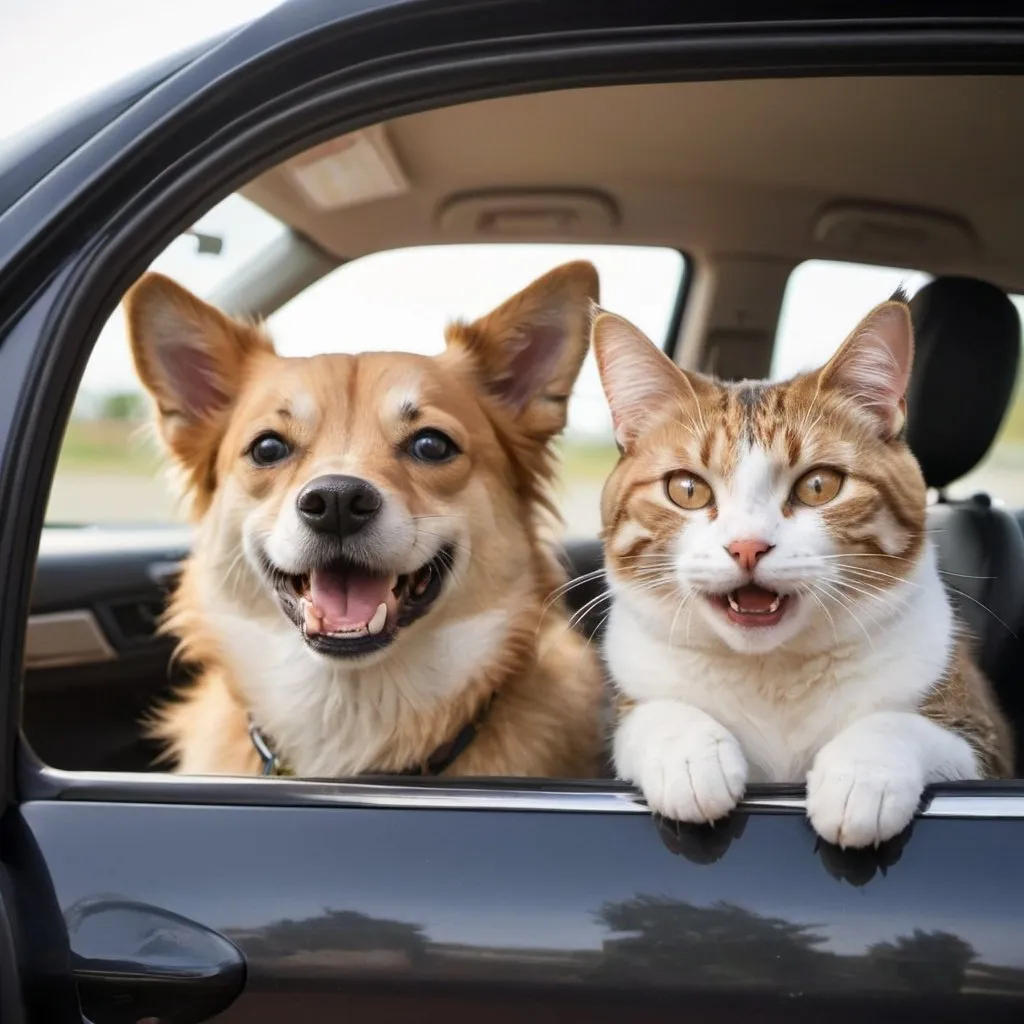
<point>872,367</point>
<point>190,357</point>
<point>639,380</point>
<point>528,352</point>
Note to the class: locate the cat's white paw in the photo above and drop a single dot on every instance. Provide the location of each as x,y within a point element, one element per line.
<point>856,800</point>
<point>688,769</point>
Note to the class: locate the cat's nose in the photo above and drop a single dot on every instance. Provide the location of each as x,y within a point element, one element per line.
<point>747,553</point>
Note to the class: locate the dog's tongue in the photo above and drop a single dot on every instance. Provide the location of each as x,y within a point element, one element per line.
<point>753,598</point>
<point>346,601</point>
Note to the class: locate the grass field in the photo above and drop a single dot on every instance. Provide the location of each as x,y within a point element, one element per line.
<point>109,446</point>
<point>110,471</point>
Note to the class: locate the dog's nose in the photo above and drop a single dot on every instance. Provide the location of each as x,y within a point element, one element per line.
<point>747,553</point>
<point>339,505</point>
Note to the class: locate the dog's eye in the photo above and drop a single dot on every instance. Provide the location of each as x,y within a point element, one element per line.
<point>432,446</point>
<point>269,448</point>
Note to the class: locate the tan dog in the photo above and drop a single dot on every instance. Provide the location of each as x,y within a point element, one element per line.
<point>368,585</point>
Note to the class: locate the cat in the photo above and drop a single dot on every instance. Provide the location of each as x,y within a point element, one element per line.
<point>777,609</point>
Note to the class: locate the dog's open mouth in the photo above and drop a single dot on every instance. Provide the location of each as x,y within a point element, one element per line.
<point>751,605</point>
<point>346,610</point>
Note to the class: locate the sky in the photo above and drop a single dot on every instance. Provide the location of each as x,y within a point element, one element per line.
<point>55,52</point>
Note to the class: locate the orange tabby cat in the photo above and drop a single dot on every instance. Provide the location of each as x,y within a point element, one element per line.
<point>778,613</point>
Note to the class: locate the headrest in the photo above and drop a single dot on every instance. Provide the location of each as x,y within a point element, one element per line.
<point>967,346</point>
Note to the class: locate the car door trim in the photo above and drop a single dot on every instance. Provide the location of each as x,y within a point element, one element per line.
<point>60,639</point>
<point>965,800</point>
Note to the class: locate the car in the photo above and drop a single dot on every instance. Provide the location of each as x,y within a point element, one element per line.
<point>770,169</point>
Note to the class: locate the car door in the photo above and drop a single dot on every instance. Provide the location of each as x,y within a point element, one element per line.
<point>129,897</point>
<point>94,660</point>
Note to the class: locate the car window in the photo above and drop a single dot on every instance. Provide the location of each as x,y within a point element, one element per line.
<point>109,466</point>
<point>402,299</point>
<point>397,299</point>
<point>825,299</point>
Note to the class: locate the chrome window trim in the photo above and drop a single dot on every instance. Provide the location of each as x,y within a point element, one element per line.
<point>981,800</point>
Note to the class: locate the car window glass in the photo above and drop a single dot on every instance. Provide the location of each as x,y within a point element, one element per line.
<point>109,470</point>
<point>402,299</point>
<point>825,299</point>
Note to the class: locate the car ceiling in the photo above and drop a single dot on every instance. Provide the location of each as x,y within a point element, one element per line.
<point>738,167</point>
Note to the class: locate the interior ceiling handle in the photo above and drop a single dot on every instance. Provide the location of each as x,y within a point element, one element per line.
<point>131,961</point>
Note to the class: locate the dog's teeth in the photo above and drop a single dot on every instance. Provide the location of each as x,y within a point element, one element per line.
<point>312,621</point>
<point>380,616</point>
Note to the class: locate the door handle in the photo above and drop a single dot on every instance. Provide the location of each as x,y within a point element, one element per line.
<point>131,961</point>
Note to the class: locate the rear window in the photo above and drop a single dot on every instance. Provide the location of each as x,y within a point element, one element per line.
<point>825,299</point>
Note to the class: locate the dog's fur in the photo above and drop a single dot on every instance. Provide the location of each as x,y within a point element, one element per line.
<point>499,391</point>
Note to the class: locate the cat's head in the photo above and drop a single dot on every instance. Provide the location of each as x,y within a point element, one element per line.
<point>755,514</point>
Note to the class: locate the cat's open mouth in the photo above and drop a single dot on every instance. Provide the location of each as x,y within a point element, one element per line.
<point>751,605</point>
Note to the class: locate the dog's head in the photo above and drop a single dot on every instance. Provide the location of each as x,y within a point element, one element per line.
<point>356,493</point>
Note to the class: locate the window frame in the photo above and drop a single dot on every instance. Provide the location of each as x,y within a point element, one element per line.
<point>76,277</point>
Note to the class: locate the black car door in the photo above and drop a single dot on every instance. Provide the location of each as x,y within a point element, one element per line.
<point>94,660</point>
<point>129,897</point>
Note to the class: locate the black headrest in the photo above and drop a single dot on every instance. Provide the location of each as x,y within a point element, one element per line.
<point>967,346</point>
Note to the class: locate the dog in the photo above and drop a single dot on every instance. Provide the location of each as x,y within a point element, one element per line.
<point>371,585</point>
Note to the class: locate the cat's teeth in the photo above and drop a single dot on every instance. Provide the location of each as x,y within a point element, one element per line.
<point>771,609</point>
<point>380,616</point>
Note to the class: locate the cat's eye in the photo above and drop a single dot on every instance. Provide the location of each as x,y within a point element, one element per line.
<point>688,491</point>
<point>818,487</point>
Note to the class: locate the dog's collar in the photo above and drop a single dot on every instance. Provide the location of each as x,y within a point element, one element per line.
<point>439,761</point>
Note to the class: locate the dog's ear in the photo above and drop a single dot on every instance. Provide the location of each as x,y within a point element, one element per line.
<point>192,359</point>
<point>528,352</point>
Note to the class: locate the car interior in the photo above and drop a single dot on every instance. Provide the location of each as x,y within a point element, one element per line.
<point>748,180</point>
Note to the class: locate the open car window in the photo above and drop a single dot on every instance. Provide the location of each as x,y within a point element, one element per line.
<point>825,299</point>
<point>110,469</point>
<point>403,298</point>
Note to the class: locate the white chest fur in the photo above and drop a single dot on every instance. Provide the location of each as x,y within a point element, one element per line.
<point>334,720</point>
<point>785,706</point>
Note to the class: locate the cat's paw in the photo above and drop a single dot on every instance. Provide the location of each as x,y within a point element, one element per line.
<point>696,778</point>
<point>854,800</point>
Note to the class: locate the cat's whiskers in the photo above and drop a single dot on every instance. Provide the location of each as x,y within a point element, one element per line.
<point>880,594</point>
<point>836,595</point>
<point>984,607</point>
<point>809,591</point>
<point>581,613</point>
<point>565,588</point>
<point>686,598</point>
<point>876,574</point>
<point>956,590</point>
